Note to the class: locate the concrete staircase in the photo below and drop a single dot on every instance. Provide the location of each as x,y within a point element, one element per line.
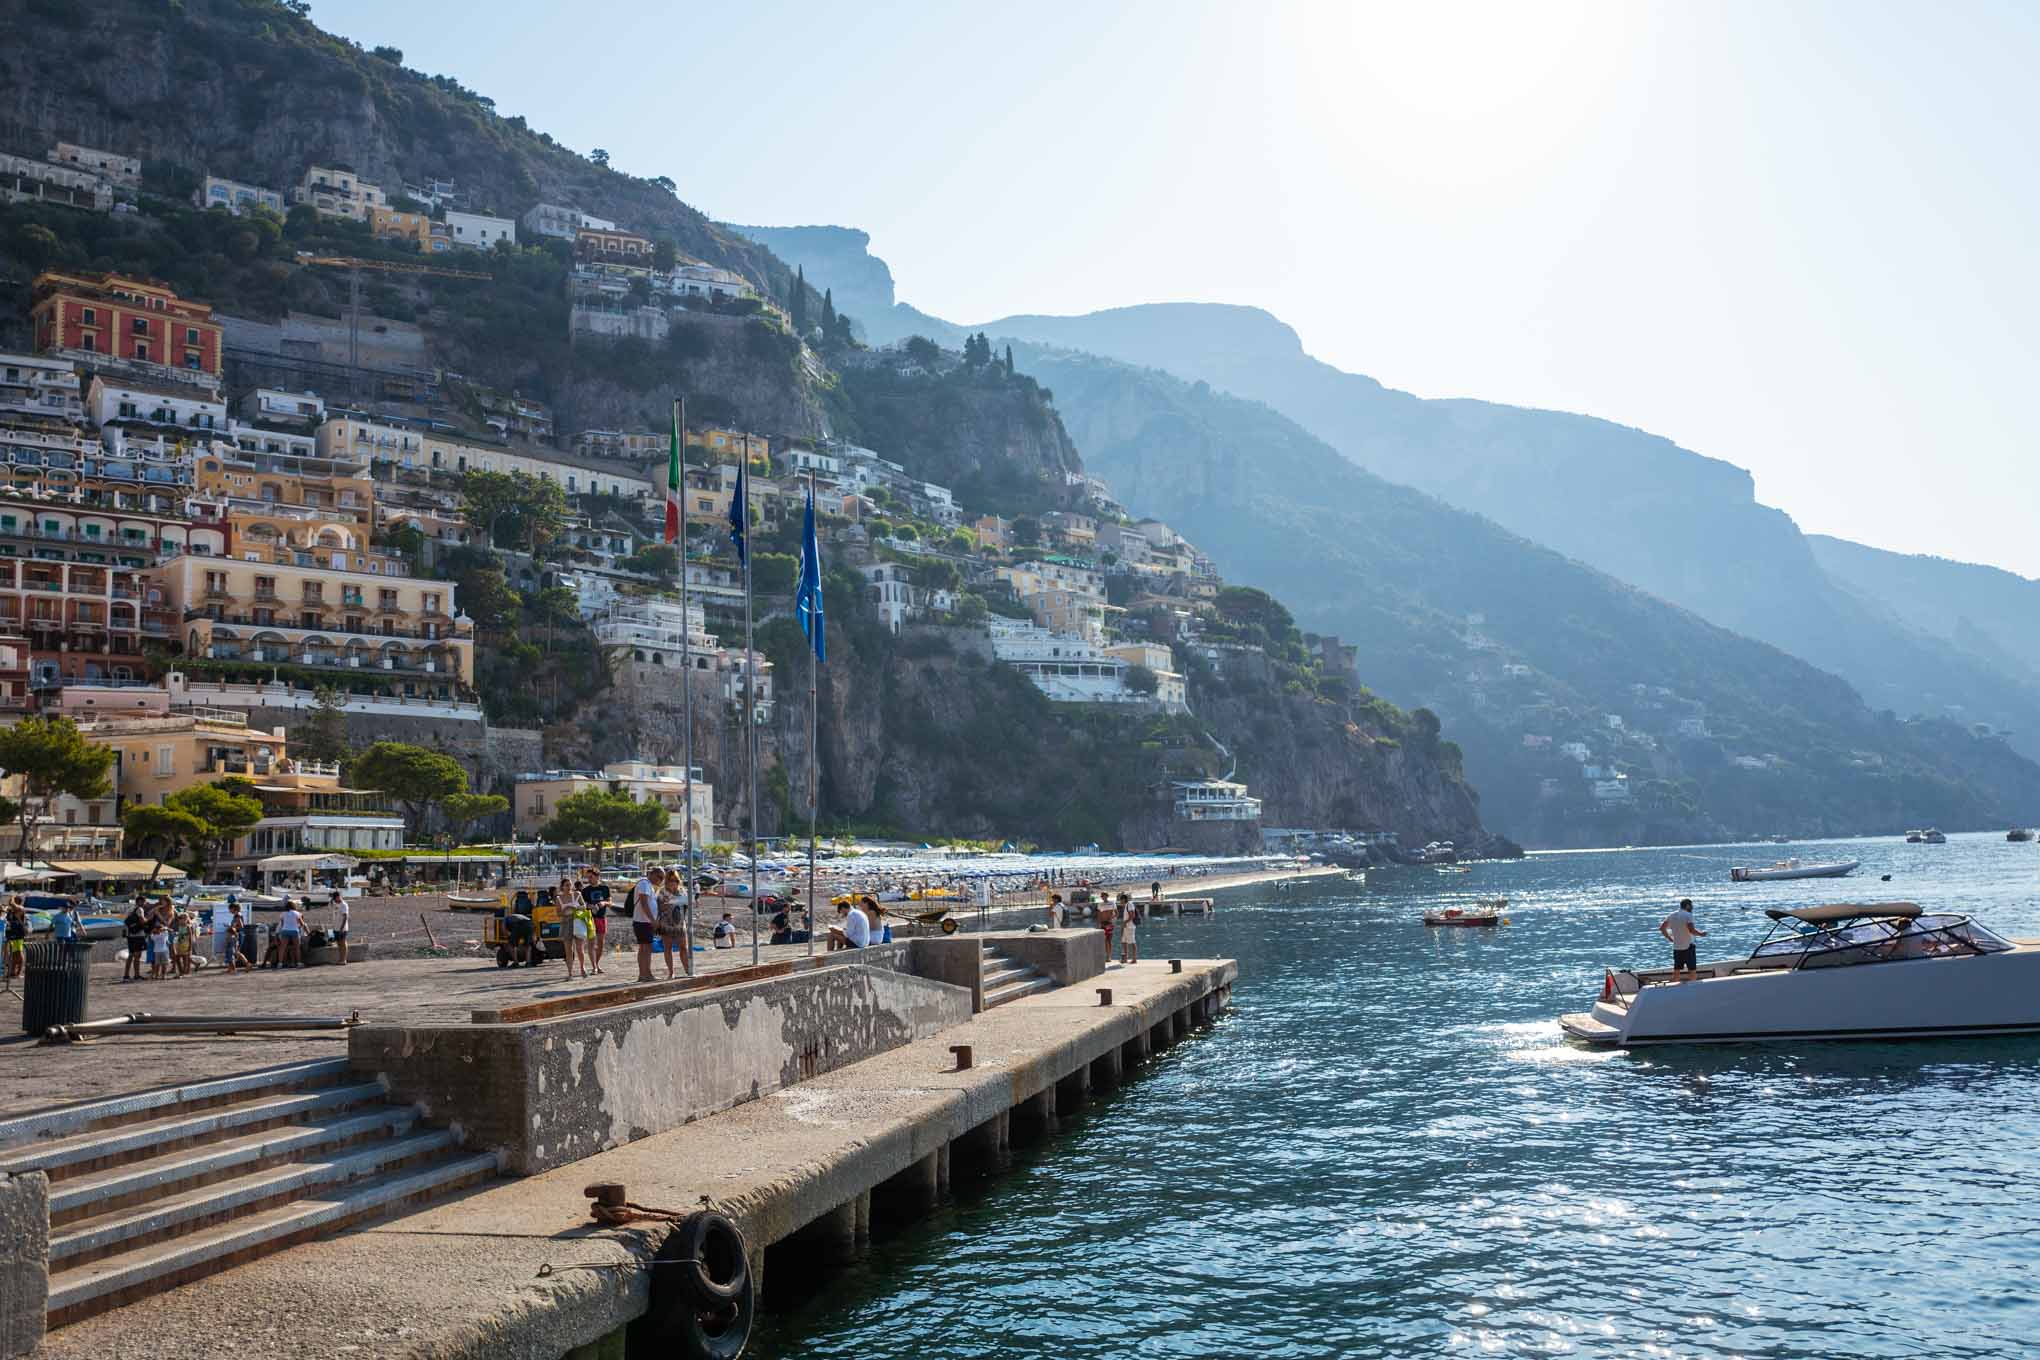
<point>1005,978</point>
<point>151,1190</point>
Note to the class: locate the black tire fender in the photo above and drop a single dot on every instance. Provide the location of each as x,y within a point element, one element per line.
<point>703,1300</point>
<point>714,1269</point>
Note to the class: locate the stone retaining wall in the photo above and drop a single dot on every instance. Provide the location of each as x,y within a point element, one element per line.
<point>24,1261</point>
<point>551,1092</point>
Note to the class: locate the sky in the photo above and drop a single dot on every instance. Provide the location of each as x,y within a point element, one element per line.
<point>1797,236</point>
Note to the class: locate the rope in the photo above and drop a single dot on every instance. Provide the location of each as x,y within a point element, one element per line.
<point>616,1216</point>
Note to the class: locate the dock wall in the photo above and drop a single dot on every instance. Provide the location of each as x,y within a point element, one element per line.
<point>550,1092</point>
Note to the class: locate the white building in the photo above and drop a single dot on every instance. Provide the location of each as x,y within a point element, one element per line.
<point>1693,727</point>
<point>1576,750</point>
<point>1614,790</point>
<point>561,222</point>
<point>1065,667</point>
<point>1214,800</point>
<point>31,385</point>
<point>691,278</point>
<point>821,464</point>
<point>236,197</point>
<point>272,406</point>
<point>538,795</point>
<point>122,172</point>
<point>479,231</point>
<point>338,193</point>
<point>891,588</point>
<point>30,181</point>
<point>1171,691</point>
<point>131,400</point>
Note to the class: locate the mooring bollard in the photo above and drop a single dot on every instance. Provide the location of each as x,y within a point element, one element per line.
<point>1175,965</point>
<point>962,1052</point>
<point>1104,996</point>
<point>608,1193</point>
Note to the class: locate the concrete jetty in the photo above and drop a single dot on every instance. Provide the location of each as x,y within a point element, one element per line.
<point>802,1105</point>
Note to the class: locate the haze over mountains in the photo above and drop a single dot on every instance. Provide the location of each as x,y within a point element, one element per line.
<point>1683,526</point>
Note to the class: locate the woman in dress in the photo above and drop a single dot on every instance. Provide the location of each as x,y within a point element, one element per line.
<point>580,926</point>
<point>671,924</point>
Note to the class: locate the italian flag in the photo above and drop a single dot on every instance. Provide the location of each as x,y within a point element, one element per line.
<point>674,489</point>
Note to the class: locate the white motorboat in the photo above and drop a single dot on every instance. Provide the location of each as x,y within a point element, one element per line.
<point>1878,971</point>
<point>1933,836</point>
<point>1794,868</point>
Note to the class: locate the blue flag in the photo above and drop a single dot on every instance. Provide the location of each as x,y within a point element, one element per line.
<point>740,512</point>
<point>807,601</point>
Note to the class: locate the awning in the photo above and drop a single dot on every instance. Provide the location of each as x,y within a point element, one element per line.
<point>281,864</point>
<point>28,873</point>
<point>1843,911</point>
<point>456,859</point>
<point>653,847</point>
<point>99,870</point>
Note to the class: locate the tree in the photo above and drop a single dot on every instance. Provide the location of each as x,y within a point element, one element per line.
<point>1009,361</point>
<point>51,757</point>
<point>170,830</point>
<point>600,157</point>
<point>828,312</point>
<point>516,507</point>
<point>666,182</point>
<point>654,559</point>
<point>664,253</point>
<point>224,812</point>
<point>463,810</point>
<point>598,818</point>
<point>486,597</point>
<point>923,351</point>
<point>799,308</point>
<point>393,55</point>
<point>413,775</point>
<point>323,736</point>
<point>1027,531</point>
<point>1141,680</point>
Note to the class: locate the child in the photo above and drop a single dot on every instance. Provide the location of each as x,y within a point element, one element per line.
<point>1129,911</point>
<point>159,948</point>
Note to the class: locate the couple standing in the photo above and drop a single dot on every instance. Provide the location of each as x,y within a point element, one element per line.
<point>660,906</point>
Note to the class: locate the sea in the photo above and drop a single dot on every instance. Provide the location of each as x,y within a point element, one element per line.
<point>1386,1149</point>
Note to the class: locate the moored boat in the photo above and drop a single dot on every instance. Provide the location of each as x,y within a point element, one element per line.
<point>2019,833</point>
<point>1785,869</point>
<point>1487,912</point>
<point>1933,836</point>
<point>1850,971</point>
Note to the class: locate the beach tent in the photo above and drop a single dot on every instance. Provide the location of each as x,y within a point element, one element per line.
<point>116,870</point>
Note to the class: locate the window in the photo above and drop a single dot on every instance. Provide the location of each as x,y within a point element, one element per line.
<point>166,760</point>
<point>191,335</point>
<point>87,342</point>
<point>142,350</point>
<point>140,325</point>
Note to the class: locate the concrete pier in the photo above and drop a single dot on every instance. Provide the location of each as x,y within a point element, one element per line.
<point>516,1270</point>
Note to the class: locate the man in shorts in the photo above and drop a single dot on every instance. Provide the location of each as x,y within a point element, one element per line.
<point>1680,930</point>
<point>644,919</point>
<point>17,937</point>
<point>339,936</point>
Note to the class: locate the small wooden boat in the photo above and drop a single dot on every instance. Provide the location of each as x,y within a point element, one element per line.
<point>1484,913</point>
<point>473,902</point>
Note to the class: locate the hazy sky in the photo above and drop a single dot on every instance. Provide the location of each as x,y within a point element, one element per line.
<point>1797,236</point>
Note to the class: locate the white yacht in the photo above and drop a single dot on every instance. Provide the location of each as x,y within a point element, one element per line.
<point>1794,868</point>
<point>1853,971</point>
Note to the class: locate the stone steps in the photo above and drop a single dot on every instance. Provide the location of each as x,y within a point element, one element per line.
<point>1003,978</point>
<point>151,1190</point>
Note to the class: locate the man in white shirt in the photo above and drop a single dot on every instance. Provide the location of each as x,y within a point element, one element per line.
<point>644,918</point>
<point>857,927</point>
<point>1681,931</point>
<point>340,931</point>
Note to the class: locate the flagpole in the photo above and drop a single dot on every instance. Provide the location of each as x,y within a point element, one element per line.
<point>813,726</point>
<point>750,687</point>
<point>686,696</point>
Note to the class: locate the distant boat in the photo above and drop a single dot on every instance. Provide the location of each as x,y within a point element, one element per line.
<point>2019,834</point>
<point>1487,912</point>
<point>1793,868</point>
<point>1930,836</point>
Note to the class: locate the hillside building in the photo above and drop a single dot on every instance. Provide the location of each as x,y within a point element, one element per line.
<point>538,795</point>
<point>122,172</point>
<point>23,180</point>
<point>335,192</point>
<point>238,198</point>
<point>110,318</point>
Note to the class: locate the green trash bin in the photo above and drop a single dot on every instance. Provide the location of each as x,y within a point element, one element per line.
<point>55,984</point>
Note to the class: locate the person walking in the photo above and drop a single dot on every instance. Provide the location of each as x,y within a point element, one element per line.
<point>644,918</point>
<point>237,961</point>
<point>1680,930</point>
<point>346,906</point>
<point>1129,927</point>
<point>1107,919</point>
<point>1055,911</point>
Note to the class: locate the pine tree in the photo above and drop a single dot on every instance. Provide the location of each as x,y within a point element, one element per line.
<point>828,312</point>
<point>1009,361</point>
<point>800,300</point>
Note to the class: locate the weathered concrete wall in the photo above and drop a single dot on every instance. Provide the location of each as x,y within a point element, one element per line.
<point>555,1091</point>
<point>24,1261</point>
<point>1066,955</point>
<point>492,756</point>
<point>955,959</point>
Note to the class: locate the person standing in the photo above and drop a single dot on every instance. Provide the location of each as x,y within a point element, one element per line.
<point>580,926</point>
<point>595,893</point>
<point>237,961</point>
<point>857,926</point>
<point>290,930</point>
<point>1681,931</point>
<point>673,924</point>
<point>181,934</point>
<point>135,934</point>
<point>17,937</point>
<point>1129,926</point>
<point>341,900</point>
<point>1055,911</point>
<point>644,917</point>
<point>159,947</point>
<point>1107,919</point>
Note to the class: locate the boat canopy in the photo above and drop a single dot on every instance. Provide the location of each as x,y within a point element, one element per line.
<point>1843,911</point>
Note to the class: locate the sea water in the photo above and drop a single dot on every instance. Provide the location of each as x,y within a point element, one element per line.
<point>1387,1150</point>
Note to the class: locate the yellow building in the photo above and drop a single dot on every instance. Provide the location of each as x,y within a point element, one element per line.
<point>732,444</point>
<point>301,590</point>
<point>405,449</point>
<point>539,796</point>
<point>389,224</point>
<point>348,496</point>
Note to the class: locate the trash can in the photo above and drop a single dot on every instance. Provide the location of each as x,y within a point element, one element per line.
<point>251,943</point>
<point>54,987</point>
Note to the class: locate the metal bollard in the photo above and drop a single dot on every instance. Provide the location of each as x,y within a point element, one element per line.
<point>1175,965</point>
<point>962,1052</point>
<point>1104,996</point>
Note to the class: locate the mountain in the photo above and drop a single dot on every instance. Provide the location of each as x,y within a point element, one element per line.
<point>1683,526</point>
<point>1983,610</point>
<point>1523,650</point>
